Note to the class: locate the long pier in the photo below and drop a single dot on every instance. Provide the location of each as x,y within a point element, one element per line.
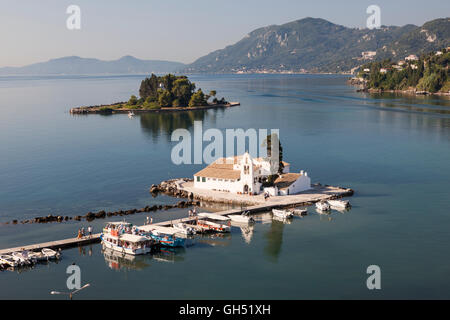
<point>58,244</point>
<point>304,199</point>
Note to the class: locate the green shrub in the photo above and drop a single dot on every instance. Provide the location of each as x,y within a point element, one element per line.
<point>151,105</point>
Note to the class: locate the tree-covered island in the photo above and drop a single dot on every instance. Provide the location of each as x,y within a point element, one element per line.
<point>162,93</point>
<point>427,74</point>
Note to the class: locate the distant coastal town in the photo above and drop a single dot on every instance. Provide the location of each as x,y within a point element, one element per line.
<point>427,74</point>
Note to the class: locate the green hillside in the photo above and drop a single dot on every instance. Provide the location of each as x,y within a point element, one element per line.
<point>429,73</point>
<point>318,45</point>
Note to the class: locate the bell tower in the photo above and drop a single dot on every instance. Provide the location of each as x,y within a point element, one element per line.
<point>247,173</point>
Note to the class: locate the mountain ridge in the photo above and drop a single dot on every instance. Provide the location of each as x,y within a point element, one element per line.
<point>318,45</point>
<point>78,65</point>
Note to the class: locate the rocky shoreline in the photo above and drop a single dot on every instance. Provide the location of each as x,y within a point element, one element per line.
<point>112,108</point>
<point>362,84</point>
<point>172,188</point>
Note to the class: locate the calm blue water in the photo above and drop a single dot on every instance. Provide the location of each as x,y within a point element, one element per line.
<point>393,150</point>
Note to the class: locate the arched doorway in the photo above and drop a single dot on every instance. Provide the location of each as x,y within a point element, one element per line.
<point>246,188</point>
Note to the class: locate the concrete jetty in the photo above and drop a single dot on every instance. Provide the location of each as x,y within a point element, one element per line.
<point>58,244</point>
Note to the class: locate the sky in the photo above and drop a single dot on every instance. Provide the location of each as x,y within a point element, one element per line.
<point>176,30</point>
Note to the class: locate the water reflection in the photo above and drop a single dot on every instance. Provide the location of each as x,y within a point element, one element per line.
<point>394,99</point>
<point>120,261</point>
<point>274,238</point>
<point>155,124</point>
<point>246,230</point>
<point>171,255</point>
<point>214,239</point>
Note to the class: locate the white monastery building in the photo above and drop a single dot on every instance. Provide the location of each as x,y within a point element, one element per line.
<point>246,175</point>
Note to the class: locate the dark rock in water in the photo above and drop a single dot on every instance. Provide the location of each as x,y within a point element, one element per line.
<point>191,196</point>
<point>78,218</point>
<point>90,216</point>
<point>66,218</point>
<point>160,207</point>
<point>109,214</point>
<point>181,204</point>
<point>100,214</point>
<point>60,218</point>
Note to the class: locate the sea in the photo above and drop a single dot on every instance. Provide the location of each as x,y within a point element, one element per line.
<point>393,150</point>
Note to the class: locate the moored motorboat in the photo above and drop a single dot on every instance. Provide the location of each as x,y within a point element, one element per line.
<point>20,258</point>
<point>341,204</point>
<point>127,243</point>
<point>8,260</point>
<point>163,235</point>
<point>214,222</point>
<point>300,212</point>
<point>323,206</point>
<point>130,114</point>
<point>184,229</point>
<point>38,256</point>
<point>242,218</point>
<point>285,214</point>
<point>50,254</point>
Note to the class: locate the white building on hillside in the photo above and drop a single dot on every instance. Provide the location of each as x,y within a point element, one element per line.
<point>246,175</point>
<point>412,57</point>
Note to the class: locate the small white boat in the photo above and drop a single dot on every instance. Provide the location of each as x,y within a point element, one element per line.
<point>7,259</point>
<point>300,212</point>
<point>242,218</point>
<point>20,259</point>
<point>130,114</point>
<point>184,229</point>
<point>342,204</point>
<point>323,206</point>
<point>50,254</point>
<point>282,213</point>
<point>37,256</point>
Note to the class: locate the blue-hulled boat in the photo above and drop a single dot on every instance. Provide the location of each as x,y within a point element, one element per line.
<point>164,235</point>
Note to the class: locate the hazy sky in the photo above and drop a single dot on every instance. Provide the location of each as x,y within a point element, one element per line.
<point>179,30</point>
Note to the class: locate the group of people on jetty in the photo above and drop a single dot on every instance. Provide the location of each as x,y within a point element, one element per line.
<point>192,213</point>
<point>82,232</point>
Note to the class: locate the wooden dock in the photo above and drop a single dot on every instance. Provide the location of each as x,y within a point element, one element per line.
<point>304,199</point>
